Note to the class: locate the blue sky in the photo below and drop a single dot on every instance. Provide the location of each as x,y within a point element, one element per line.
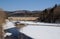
<point>12,5</point>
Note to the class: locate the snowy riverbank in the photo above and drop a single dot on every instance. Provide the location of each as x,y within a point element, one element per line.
<point>40,30</point>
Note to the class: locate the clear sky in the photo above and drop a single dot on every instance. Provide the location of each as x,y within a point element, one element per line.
<point>27,4</point>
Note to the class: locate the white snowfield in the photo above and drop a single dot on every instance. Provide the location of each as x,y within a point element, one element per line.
<point>40,30</point>
<point>39,23</point>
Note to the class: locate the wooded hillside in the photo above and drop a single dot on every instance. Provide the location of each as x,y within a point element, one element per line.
<point>50,15</point>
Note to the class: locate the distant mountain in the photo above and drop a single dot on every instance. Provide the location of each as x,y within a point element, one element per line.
<point>50,15</point>
<point>22,13</point>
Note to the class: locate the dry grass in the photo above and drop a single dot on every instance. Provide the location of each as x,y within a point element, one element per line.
<point>23,18</point>
<point>20,25</point>
<point>2,20</point>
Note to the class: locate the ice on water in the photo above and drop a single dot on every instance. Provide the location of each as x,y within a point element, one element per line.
<point>41,31</point>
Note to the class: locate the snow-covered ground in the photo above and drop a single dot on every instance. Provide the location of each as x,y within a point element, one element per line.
<point>39,23</point>
<point>38,30</point>
<point>42,32</point>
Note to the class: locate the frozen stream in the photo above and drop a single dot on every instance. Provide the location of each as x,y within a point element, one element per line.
<point>41,31</point>
<point>38,30</point>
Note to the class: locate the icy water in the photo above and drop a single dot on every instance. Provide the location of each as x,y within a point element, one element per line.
<point>38,30</point>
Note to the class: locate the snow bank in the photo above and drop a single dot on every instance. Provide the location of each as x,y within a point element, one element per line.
<point>38,30</point>
<point>39,23</point>
<point>41,32</point>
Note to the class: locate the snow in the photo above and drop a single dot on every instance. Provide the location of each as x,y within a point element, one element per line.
<point>7,34</point>
<point>40,30</point>
<point>8,24</point>
<point>39,23</point>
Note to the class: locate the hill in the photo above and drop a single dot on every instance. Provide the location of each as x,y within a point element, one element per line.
<point>50,15</point>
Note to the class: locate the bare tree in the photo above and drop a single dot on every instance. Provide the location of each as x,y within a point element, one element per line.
<point>52,14</point>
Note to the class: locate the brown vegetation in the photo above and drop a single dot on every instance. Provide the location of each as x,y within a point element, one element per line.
<point>3,16</point>
<point>23,18</point>
<point>50,15</point>
<point>20,25</point>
